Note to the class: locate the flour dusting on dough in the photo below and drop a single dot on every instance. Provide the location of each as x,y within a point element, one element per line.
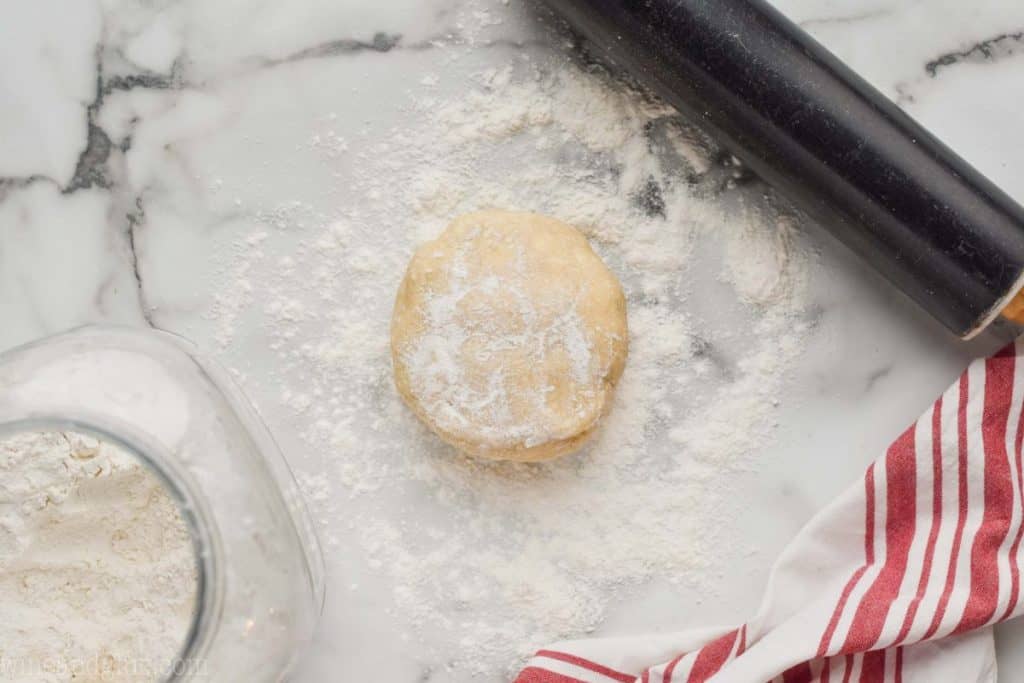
<point>509,335</point>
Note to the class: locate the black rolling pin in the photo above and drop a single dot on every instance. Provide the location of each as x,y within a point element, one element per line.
<point>807,124</point>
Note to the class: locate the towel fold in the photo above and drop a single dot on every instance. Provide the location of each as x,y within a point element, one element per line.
<point>898,581</point>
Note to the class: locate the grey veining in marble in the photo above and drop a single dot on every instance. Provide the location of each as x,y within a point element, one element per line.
<point>118,116</point>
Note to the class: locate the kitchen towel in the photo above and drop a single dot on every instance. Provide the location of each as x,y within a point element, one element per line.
<point>899,580</point>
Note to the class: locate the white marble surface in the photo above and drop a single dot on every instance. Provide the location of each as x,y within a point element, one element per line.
<point>136,137</point>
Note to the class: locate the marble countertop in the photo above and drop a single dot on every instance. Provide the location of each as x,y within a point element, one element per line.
<point>129,157</point>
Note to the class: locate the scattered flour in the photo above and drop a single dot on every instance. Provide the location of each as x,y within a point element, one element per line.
<point>97,570</point>
<point>503,558</point>
<point>228,305</point>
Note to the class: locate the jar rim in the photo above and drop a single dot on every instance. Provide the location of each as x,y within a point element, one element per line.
<point>191,507</point>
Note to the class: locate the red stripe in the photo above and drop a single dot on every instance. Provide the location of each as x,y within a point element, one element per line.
<point>588,665</point>
<point>667,676</point>
<point>940,610</point>
<point>801,673</point>
<point>933,534</point>
<point>712,657</point>
<point>900,527</point>
<point>999,499</point>
<point>1015,546</point>
<point>872,667</point>
<point>826,670</point>
<point>848,674</point>
<point>533,674</point>
<point>898,673</point>
<point>742,647</point>
<point>869,559</point>
<point>646,678</point>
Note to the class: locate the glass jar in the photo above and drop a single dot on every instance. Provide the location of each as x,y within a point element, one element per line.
<point>259,568</point>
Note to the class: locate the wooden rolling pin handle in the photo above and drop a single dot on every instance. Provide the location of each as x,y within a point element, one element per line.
<point>1014,311</point>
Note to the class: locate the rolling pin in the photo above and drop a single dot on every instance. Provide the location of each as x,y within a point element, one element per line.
<point>808,125</point>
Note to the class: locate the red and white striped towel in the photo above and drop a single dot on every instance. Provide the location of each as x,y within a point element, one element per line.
<point>899,580</point>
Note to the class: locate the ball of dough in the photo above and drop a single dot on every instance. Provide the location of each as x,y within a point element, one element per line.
<point>509,334</point>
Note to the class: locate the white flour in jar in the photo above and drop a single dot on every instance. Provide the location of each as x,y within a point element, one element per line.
<point>489,561</point>
<point>97,568</point>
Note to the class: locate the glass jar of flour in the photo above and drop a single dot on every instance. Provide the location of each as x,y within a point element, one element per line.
<point>259,570</point>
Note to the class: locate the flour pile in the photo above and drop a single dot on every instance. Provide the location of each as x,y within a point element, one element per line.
<point>502,558</point>
<point>97,570</point>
